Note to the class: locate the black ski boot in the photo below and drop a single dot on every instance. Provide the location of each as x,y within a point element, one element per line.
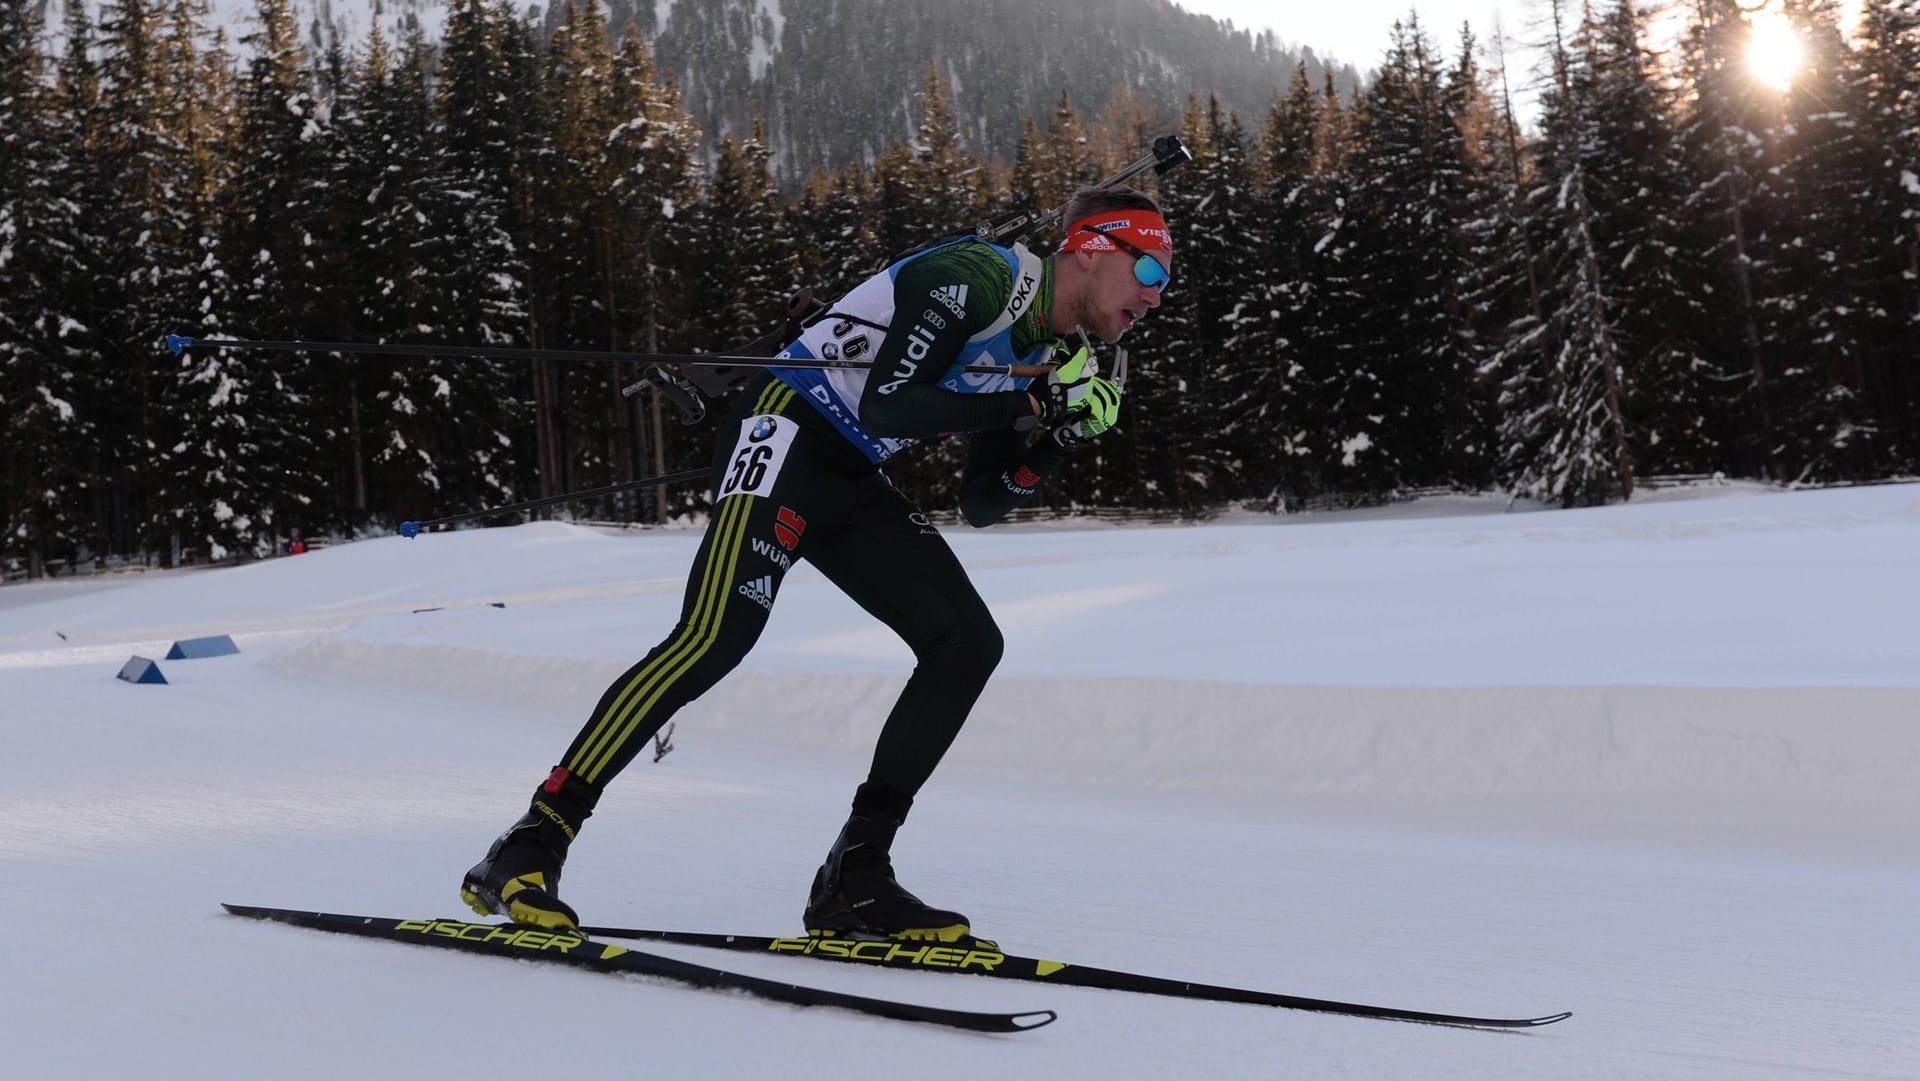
<point>854,892</point>
<point>520,876</point>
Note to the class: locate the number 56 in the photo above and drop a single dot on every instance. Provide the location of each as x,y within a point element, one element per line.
<point>749,470</point>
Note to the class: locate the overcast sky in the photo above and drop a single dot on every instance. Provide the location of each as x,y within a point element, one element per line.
<point>1357,31</point>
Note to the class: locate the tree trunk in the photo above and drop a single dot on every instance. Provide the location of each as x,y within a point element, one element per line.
<point>1609,358</point>
<point>1750,333</point>
<point>656,414</point>
<point>356,445</point>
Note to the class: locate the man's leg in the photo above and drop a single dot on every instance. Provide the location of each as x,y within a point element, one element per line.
<point>894,564</point>
<point>767,485</point>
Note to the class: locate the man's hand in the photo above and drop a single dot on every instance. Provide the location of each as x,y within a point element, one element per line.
<point>1065,388</point>
<point>1096,411</point>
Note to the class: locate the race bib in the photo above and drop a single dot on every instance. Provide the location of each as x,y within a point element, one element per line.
<point>758,455</point>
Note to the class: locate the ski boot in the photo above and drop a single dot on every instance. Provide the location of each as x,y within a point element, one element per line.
<point>855,893</point>
<point>520,876</point>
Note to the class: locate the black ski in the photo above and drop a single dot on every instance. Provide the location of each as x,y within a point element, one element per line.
<point>984,958</point>
<point>535,944</point>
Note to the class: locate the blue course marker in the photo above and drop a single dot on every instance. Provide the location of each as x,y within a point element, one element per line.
<point>190,649</point>
<point>141,670</point>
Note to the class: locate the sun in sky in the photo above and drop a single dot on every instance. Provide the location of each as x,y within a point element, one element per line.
<point>1773,48</point>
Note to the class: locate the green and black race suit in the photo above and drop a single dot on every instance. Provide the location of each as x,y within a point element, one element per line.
<point>800,482</point>
<point>921,321</point>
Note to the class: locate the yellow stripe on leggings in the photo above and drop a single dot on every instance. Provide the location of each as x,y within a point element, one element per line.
<point>702,629</point>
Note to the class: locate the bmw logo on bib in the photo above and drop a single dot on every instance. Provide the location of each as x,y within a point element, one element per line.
<point>763,429</point>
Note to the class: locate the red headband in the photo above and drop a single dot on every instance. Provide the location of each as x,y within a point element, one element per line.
<point>1144,229</point>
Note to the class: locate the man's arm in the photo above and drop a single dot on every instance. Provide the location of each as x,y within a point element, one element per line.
<point>1003,472</point>
<point>940,300</point>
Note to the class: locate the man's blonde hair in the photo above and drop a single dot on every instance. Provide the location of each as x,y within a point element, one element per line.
<point>1100,200</point>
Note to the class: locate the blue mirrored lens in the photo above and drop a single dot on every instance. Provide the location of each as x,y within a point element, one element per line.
<point>1148,271</point>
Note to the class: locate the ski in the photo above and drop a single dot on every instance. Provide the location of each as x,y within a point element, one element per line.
<point>535,944</point>
<point>984,958</point>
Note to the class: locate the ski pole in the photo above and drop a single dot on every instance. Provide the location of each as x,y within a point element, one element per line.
<point>683,397</point>
<point>691,408</point>
<point>180,343</point>
<point>411,530</point>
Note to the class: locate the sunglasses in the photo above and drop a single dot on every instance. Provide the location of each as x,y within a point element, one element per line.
<point>1147,270</point>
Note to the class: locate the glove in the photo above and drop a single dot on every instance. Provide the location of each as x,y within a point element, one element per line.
<point>1097,410</point>
<point>1065,388</point>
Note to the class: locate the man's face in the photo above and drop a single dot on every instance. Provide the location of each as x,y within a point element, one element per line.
<point>1114,298</point>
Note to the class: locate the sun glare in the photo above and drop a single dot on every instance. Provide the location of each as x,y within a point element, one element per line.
<point>1773,52</point>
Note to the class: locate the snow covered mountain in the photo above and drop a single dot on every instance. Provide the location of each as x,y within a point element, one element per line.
<point>839,80</point>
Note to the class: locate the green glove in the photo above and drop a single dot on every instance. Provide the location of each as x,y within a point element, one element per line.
<point>1095,411</point>
<point>1065,387</point>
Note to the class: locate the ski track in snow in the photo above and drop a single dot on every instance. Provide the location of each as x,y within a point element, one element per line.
<point>1653,764</point>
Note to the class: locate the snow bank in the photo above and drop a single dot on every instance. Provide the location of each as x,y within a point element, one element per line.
<point>1833,765</point>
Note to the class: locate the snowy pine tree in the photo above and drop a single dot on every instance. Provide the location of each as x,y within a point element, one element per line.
<point>246,463</point>
<point>401,424</point>
<point>835,236</point>
<point>144,242</point>
<point>1222,277</point>
<point>951,183</point>
<point>747,267</point>
<point>1470,119</point>
<point>1158,450</point>
<point>1817,260</point>
<point>1064,161</point>
<point>1024,180</point>
<point>1279,430</point>
<point>193,292</point>
<point>649,190</point>
<point>1564,432</point>
<point>944,192</point>
<point>92,297</point>
<point>1884,84</point>
<point>1395,398</point>
<point>1635,179</point>
<point>1336,322</point>
<point>470,263</point>
<point>1725,217</point>
<point>1502,275</point>
<point>571,248</point>
<point>41,396</point>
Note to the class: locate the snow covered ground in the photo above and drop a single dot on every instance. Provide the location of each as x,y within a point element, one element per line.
<point>1655,764</point>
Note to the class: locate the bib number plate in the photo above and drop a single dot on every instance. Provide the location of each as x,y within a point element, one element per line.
<point>758,455</point>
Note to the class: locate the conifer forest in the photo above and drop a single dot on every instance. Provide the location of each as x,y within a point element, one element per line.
<point>1663,265</point>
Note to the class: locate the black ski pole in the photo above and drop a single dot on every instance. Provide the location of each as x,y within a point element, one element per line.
<point>180,343</point>
<point>411,530</point>
<point>683,397</point>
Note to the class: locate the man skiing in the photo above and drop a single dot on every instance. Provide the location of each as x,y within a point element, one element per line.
<point>796,476</point>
